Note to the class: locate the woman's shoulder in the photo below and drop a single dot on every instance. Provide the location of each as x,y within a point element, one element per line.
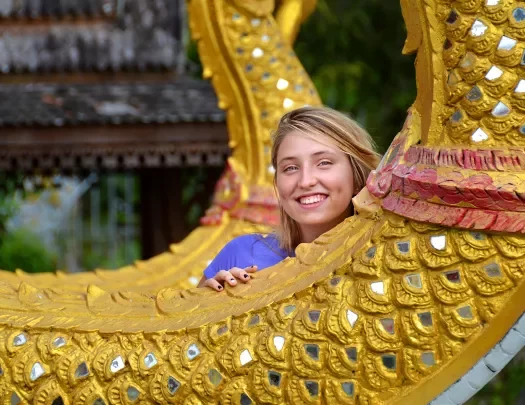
<point>246,250</point>
<point>253,240</point>
<point>247,240</point>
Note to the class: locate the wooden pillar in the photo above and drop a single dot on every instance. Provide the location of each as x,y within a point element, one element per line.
<point>161,211</point>
<point>163,214</point>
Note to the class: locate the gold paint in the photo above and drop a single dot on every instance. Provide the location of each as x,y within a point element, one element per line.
<point>317,327</point>
<point>291,14</point>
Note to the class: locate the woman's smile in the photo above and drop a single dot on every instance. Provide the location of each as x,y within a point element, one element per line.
<point>311,201</point>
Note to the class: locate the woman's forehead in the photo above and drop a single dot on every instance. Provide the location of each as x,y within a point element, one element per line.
<point>297,143</point>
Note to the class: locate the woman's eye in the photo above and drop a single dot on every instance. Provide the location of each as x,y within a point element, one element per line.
<point>289,168</point>
<point>325,163</point>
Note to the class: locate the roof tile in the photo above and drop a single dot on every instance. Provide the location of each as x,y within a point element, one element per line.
<point>186,100</point>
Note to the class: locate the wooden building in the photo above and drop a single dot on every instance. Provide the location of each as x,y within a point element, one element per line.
<point>104,85</point>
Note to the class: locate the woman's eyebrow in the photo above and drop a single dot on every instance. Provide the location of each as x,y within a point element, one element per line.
<point>321,152</point>
<point>286,158</point>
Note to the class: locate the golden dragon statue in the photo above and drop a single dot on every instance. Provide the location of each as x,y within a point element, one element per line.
<point>248,56</point>
<point>415,299</point>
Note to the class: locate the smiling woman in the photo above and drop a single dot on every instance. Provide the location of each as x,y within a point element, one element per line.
<point>322,159</point>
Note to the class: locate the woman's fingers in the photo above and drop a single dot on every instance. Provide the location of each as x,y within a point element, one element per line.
<point>227,277</point>
<point>251,269</point>
<point>242,274</point>
<point>213,284</point>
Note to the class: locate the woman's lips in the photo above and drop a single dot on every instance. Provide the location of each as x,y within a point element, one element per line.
<point>312,201</point>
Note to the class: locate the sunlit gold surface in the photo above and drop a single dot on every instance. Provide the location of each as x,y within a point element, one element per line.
<point>257,78</point>
<point>380,310</point>
<point>291,14</point>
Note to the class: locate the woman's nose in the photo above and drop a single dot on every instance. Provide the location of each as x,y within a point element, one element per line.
<point>308,179</point>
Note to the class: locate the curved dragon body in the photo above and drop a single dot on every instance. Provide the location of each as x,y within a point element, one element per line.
<point>247,55</point>
<point>393,306</point>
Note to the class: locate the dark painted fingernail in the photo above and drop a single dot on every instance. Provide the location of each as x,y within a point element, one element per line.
<point>246,276</point>
<point>232,279</point>
<point>220,287</point>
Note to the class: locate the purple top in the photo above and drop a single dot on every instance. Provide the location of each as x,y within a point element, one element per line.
<point>245,251</point>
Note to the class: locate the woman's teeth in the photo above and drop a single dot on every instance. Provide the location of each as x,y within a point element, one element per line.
<point>312,199</point>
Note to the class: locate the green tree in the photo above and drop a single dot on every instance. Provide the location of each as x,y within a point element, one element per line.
<point>352,51</point>
<point>20,249</point>
<point>24,250</point>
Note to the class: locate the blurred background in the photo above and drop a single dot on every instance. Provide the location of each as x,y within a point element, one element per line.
<point>111,143</point>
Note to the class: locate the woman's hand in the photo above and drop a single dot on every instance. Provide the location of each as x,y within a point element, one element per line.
<point>230,277</point>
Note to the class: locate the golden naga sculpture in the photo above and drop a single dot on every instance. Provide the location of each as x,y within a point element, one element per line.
<point>248,56</point>
<point>417,296</point>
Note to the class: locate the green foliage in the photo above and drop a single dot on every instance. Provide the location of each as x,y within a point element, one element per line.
<point>8,201</point>
<point>352,51</point>
<point>195,65</point>
<point>125,255</point>
<point>193,180</point>
<point>23,250</point>
<point>507,388</point>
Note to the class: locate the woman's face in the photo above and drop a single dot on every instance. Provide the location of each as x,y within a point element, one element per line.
<point>314,182</point>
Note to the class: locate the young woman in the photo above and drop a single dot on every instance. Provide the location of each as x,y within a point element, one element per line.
<point>322,159</point>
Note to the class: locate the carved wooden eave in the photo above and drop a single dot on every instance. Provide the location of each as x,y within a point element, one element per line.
<point>124,147</point>
<point>111,126</point>
<point>87,84</point>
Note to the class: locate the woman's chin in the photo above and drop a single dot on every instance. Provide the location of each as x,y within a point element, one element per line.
<point>319,219</point>
<point>314,220</point>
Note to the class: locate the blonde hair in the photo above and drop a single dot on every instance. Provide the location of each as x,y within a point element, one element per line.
<point>344,132</point>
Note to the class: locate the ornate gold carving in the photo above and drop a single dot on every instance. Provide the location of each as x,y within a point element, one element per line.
<point>302,391</point>
<point>474,246</point>
<point>450,286</point>
<point>343,324</point>
<point>401,255</point>
<point>339,391</point>
<point>374,297</point>
<point>343,361</point>
<point>370,313</point>
<point>382,334</point>
<point>378,375</point>
<point>497,12</point>
<point>439,253</point>
<point>411,289</point>
<point>489,278</point>
<point>461,321</point>
<point>378,329</point>
<point>308,358</point>
<point>510,246</point>
<point>368,262</point>
<point>265,384</point>
<point>420,328</point>
<point>500,126</point>
<point>515,269</point>
<point>419,363</point>
<point>273,347</point>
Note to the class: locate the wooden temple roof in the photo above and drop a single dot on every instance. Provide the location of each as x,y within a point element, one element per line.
<point>102,84</point>
<point>47,105</point>
<point>86,35</point>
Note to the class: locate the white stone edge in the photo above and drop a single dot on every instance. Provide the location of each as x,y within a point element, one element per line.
<point>486,368</point>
